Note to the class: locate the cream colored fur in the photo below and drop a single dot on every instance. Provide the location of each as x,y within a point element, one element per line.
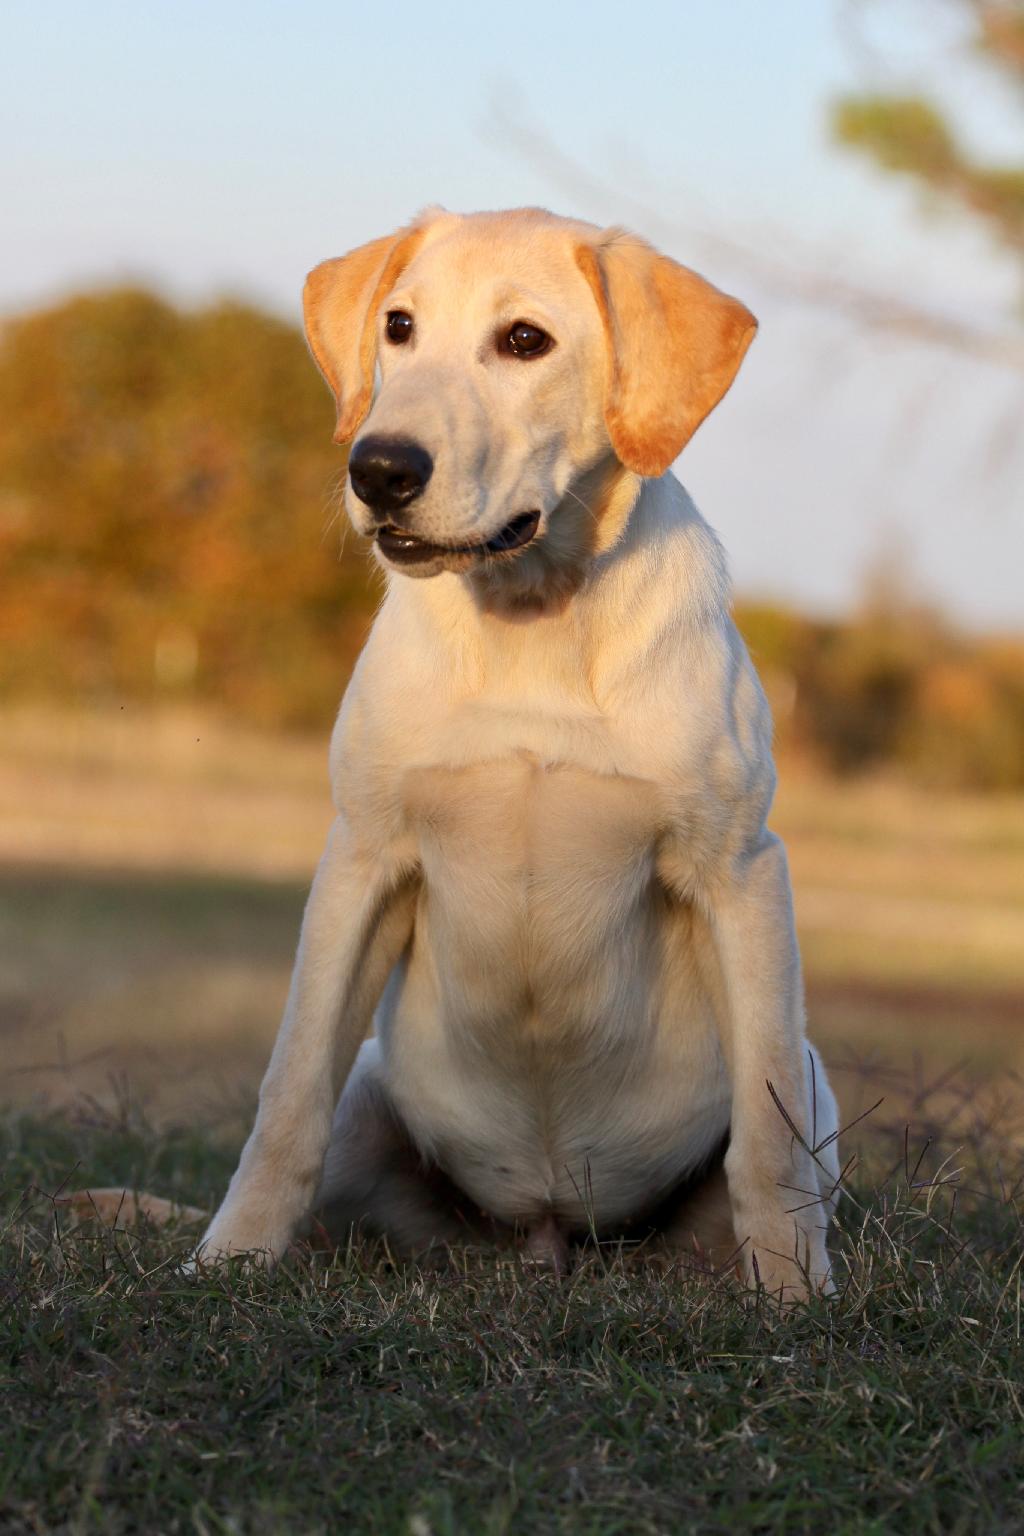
<point>549,888</point>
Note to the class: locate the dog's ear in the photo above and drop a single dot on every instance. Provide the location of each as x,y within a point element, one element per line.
<point>675,344</point>
<point>339,304</point>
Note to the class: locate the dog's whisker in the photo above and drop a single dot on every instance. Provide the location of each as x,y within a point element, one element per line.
<point>334,508</point>
<point>580,502</point>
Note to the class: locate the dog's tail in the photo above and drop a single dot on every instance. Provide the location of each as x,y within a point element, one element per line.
<point>123,1207</point>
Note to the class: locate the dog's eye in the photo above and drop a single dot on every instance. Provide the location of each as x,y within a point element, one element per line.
<point>526,340</point>
<point>399,326</point>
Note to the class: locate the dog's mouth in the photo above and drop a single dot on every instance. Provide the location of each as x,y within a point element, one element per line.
<point>404,548</point>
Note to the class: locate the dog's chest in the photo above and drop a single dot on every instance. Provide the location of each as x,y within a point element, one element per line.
<point>536,1042</point>
<point>531,869</point>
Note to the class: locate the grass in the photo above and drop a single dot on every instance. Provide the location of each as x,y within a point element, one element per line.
<point>350,1393</point>
<point>152,874</point>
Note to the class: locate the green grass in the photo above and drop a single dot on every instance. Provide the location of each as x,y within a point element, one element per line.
<point>348,1393</point>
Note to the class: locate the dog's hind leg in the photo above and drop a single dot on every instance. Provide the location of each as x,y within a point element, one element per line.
<point>700,1222</point>
<point>698,1225</point>
<point>376,1181</point>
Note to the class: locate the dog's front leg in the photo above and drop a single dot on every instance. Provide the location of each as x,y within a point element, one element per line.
<point>773,1174</point>
<point>358,919</point>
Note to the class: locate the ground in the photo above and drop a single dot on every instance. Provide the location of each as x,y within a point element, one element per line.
<point>351,1393</point>
<point>152,874</point>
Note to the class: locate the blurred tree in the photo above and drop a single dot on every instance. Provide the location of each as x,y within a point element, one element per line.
<point>165,484</point>
<point>912,136</point>
<point>893,687</point>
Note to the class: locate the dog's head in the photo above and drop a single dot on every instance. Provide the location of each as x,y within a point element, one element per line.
<point>522,359</point>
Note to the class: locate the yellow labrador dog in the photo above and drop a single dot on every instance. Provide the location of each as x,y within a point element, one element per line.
<point>549,886</point>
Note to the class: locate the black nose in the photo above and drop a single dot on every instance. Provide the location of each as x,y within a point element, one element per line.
<point>388,473</point>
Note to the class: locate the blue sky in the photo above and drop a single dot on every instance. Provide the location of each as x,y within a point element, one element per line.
<point>226,147</point>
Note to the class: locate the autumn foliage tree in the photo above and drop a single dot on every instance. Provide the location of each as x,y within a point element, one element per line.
<point>168,517</point>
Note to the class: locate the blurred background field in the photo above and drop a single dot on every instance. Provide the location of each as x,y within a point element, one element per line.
<point>153,868</point>
<point>180,607</point>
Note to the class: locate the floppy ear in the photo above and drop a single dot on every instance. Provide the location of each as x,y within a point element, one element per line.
<point>339,303</point>
<point>675,344</point>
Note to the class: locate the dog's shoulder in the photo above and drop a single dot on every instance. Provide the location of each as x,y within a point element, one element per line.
<point>681,668</point>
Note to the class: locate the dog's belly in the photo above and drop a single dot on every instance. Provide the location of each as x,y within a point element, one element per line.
<point>550,1037</point>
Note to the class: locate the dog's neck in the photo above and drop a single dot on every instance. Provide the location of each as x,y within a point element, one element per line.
<point>658,573</point>
<point>588,522</point>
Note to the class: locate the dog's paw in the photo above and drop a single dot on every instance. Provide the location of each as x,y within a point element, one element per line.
<point>786,1282</point>
<point>213,1252</point>
<point>260,1243</point>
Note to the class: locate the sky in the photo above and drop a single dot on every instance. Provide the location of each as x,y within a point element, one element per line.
<point>219,147</point>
